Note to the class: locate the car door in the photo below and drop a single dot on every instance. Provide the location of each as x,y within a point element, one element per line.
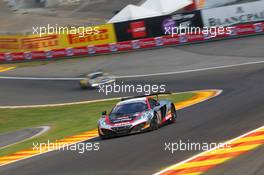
<point>154,105</point>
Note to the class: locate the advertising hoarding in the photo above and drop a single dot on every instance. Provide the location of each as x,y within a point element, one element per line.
<point>156,26</point>
<point>23,43</point>
<point>235,14</point>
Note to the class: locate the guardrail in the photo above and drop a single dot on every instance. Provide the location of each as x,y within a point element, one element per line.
<point>237,31</point>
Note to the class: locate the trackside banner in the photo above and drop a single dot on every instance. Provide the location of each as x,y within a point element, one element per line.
<point>238,30</point>
<point>24,43</point>
<point>156,26</point>
<point>235,14</point>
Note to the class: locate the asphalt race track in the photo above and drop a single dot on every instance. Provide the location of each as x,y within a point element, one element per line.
<point>170,59</point>
<point>239,109</point>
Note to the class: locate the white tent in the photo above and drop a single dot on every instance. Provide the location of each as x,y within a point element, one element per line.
<point>166,6</point>
<point>132,12</point>
<point>204,4</point>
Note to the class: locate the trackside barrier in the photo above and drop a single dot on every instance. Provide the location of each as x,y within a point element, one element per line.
<point>237,31</point>
<point>102,34</point>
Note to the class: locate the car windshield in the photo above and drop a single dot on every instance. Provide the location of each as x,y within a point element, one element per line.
<point>129,108</point>
<point>93,76</point>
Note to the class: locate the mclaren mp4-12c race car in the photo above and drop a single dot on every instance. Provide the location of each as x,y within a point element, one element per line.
<point>136,114</point>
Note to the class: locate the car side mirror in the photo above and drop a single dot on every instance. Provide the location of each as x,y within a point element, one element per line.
<point>104,112</point>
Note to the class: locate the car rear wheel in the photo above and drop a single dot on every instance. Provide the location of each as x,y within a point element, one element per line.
<point>83,87</point>
<point>173,114</point>
<point>154,125</point>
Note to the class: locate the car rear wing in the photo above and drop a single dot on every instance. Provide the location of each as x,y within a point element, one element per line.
<point>140,96</point>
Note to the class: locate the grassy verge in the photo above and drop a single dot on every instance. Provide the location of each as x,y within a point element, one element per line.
<point>64,120</point>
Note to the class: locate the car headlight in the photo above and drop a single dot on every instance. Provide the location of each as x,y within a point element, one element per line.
<point>94,85</point>
<point>102,123</point>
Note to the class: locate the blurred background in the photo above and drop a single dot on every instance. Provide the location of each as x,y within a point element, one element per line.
<point>18,16</point>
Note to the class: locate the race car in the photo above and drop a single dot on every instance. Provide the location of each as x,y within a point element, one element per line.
<point>96,79</point>
<point>136,114</point>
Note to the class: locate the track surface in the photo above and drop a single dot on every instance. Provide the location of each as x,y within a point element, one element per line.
<point>238,110</point>
<point>169,59</point>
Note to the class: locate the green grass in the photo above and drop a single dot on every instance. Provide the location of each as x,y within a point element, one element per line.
<point>64,120</point>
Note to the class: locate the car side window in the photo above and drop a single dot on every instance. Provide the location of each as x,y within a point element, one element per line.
<point>152,103</point>
<point>96,75</point>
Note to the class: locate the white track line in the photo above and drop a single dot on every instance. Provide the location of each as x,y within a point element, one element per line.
<point>137,76</point>
<point>194,70</point>
<point>202,153</point>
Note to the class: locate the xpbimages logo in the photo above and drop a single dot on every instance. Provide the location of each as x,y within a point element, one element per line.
<point>187,30</point>
<point>77,147</point>
<point>65,30</point>
<point>188,145</point>
<point>147,89</point>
